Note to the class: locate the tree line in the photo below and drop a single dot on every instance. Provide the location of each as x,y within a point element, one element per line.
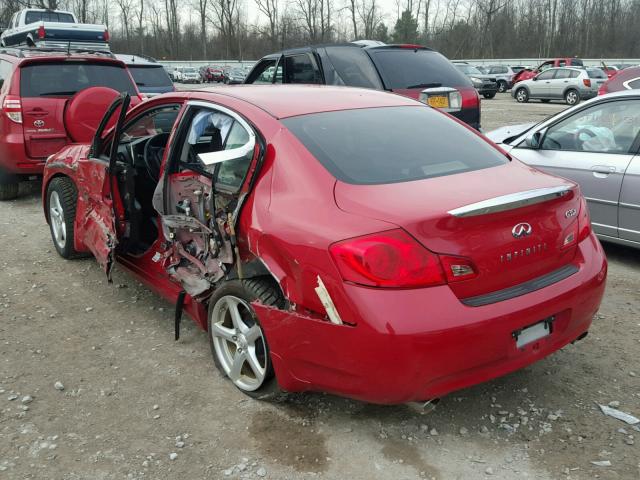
<point>223,29</point>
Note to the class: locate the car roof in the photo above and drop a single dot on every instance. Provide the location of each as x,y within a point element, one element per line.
<point>137,60</point>
<point>41,55</point>
<point>282,101</point>
<point>361,46</point>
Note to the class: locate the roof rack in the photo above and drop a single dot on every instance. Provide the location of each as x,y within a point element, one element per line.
<point>24,52</point>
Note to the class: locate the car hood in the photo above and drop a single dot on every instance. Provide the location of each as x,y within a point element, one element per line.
<point>499,135</point>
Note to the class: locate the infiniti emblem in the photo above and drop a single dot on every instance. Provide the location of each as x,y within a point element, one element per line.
<point>38,123</point>
<point>521,230</point>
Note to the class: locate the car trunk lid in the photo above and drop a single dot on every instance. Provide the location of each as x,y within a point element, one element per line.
<point>512,227</point>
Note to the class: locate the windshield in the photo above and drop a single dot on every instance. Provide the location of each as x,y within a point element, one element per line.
<point>392,144</point>
<point>189,70</point>
<point>32,17</point>
<point>67,78</point>
<point>403,68</point>
<point>150,76</point>
<point>468,69</point>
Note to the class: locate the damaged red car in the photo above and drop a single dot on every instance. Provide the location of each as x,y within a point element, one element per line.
<point>332,239</point>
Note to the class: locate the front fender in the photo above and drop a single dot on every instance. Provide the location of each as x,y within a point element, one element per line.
<point>64,162</point>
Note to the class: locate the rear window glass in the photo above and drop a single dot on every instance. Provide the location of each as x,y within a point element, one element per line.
<point>32,17</point>
<point>351,67</point>
<point>391,144</point>
<point>150,76</point>
<point>596,73</point>
<point>405,68</point>
<point>577,62</point>
<point>67,78</point>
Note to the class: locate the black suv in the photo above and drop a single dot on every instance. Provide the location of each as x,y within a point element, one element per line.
<point>410,70</point>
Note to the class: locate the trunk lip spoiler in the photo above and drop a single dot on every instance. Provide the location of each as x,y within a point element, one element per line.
<point>511,201</point>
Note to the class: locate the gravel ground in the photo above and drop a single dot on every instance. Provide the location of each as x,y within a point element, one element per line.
<point>92,386</point>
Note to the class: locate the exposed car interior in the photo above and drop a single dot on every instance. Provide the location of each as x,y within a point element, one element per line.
<point>195,202</point>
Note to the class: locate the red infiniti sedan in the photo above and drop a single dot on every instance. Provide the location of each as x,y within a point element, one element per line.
<point>333,239</point>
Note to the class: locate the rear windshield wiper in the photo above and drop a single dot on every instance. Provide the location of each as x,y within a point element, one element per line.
<point>69,92</point>
<point>425,85</point>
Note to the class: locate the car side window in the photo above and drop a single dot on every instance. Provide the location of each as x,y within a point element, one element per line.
<point>563,73</point>
<point>154,122</point>
<point>546,75</point>
<point>562,63</point>
<point>610,127</point>
<point>214,131</point>
<point>263,73</point>
<point>632,84</point>
<point>279,76</point>
<point>545,66</point>
<point>301,69</point>
<point>575,74</point>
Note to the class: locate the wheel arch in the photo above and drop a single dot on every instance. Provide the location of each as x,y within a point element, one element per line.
<point>45,188</point>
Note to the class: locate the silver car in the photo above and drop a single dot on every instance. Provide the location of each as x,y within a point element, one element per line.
<point>570,84</point>
<point>595,144</point>
<point>504,76</point>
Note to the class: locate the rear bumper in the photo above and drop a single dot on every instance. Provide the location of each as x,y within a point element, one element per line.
<point>413,345</point>
<point>14,160</point>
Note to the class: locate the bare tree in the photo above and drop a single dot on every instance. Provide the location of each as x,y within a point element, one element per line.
<point>269,9</point>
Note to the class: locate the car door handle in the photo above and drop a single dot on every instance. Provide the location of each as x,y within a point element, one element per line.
<point>602,170</point>
<point>566,81</point>
<point>37,113</point>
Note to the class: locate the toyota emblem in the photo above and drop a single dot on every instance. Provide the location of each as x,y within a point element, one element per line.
<point>521,230</point>
<point>38,123</point>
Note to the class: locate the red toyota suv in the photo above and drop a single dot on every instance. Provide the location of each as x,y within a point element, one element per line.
<point>38,89</point>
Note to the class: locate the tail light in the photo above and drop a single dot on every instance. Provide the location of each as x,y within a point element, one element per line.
<point>12,107</point>
<point>570,235</point>
<point>587,82</point>
<point>106,35</point>
<point>603,89</point>
<point>390,259</point>
<point>41,32</point>
<point>584,220</point>
<point>457,269</point>
<point>470,98</point>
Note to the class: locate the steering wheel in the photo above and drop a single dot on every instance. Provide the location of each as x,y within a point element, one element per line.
<point>578,141</point>
<point>153,153</point>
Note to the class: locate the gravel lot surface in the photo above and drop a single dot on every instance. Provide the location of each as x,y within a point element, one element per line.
<point>92,386</point>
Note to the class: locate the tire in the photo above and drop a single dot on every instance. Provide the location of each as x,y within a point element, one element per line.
<point>502,86</point>
<point>230,337</point>
<point>522,95</point>
<point>489,95</point>
<point>62,198</point>
<point>572,97</point>
<point>9,191</point>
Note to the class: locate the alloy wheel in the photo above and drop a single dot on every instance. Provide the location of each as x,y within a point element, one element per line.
<point>239,343</point>
<point>56,217</point>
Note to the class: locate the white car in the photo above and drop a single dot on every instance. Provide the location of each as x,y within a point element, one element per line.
<point>187,75</point>
<point>570,84</point>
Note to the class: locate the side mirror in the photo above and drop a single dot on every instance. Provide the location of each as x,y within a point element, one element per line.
<point>535,139</point>
<point>535,79</point>
<point>1,82</point>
